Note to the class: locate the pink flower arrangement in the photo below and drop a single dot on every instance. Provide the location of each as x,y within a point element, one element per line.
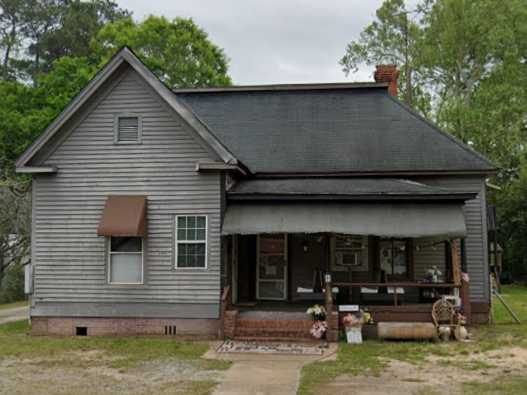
<point>318,329</point>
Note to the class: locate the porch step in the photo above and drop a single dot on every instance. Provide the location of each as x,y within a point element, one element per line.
<point>279,339</point>
<point>280,328</point>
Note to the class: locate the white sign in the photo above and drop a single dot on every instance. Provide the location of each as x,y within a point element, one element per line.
<point>349,307</point>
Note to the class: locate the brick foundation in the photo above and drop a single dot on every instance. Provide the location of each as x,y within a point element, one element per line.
<point>66,326</point>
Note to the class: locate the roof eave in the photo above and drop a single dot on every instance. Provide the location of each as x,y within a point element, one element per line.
<point>462,197</point>
<point>376,173</point>
<point>36,169</point>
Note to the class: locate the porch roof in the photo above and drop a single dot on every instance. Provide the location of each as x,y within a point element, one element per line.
<point>357,188</point>
<point>441,220</point>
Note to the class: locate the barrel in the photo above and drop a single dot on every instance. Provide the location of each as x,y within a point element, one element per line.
<point>407,330</point>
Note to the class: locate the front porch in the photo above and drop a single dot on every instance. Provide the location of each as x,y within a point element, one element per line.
<point>271,280</point>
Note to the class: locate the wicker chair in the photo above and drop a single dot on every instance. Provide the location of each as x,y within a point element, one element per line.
<point>444,315</point>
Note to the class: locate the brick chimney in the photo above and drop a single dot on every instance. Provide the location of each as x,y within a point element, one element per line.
<point>387,73</point>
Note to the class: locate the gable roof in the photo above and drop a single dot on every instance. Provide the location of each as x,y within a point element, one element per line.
<point>328,128</point>
<point>125,55</point>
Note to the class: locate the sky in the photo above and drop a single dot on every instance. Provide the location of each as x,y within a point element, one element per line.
<point>275,41</point>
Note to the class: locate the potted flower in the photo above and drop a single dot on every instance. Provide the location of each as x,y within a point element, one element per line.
<point>320,327</point>
<point>353,325</point>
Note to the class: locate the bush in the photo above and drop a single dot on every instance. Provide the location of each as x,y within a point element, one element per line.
<point>12,287</point>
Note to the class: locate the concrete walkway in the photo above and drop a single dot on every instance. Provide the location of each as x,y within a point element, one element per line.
<point>263,374</point>
<point>15,314</point>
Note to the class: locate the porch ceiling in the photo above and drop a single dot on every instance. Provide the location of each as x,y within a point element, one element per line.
<point>444,220</point>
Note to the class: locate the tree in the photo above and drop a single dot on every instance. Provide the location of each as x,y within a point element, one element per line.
<point>80,21</point>
<point>11,23</point>
<point>25,111</point>
<point>392,38</point>
<point>178,51</point>
<point>468,57</point>
<point>15,225</point>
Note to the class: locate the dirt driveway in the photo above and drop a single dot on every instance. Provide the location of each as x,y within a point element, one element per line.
<point>477,373</point>
<point>15,314</point>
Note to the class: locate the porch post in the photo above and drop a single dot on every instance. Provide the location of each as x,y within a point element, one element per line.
<point>456,262</point>
<point>459,280</point>
<point>328,294</point>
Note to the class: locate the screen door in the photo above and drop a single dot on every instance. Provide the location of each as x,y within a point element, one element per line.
<point>271,273</point>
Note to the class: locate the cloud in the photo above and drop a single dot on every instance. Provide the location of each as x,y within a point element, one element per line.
<point>275,41</point>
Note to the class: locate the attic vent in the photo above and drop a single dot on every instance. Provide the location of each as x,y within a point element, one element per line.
<point>170,330</point>
<point>128,129</point>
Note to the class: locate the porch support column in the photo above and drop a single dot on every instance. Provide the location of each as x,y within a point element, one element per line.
<point>456,261</point>
<point>332,317</point>
<point>328,294</point>
<point>459,279</point>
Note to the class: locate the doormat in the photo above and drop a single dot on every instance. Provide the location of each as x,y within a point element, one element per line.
<point>233,346</point>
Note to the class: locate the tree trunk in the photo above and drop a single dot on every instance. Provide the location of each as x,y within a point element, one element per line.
<point>10,43</point>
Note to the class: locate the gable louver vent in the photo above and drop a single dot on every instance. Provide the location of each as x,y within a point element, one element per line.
<point>128,129</point>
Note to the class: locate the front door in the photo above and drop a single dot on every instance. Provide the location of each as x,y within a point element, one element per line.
<point>271,273</point>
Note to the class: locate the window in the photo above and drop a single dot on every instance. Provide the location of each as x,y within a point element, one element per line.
<point>126,260</point>
<point>394,258</point>
<point>128,129</point>
<point>191,241</point>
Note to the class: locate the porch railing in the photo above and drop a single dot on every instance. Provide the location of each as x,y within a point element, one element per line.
<point>396,285</point>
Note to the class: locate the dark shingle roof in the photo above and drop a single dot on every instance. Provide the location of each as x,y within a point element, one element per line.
<point>340,187</point>
<point>328,130</point>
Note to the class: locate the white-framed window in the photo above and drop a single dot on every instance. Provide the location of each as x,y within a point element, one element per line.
<point>128,129</point>
<point>125,260</point>
<point>191,241</point>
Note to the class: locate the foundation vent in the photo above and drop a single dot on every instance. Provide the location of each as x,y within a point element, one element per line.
<point>81,331</point>
<point>170,330</point>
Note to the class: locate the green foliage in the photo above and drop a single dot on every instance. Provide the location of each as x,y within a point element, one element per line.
<point>12,285</point>
<point>177,51</point>
<point>468,75</point>
<point>391,39</point>
<point>26,111</point>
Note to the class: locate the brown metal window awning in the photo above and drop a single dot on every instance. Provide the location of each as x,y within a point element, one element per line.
<point>123,216</point>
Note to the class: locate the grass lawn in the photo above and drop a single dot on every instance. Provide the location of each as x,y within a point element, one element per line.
<point>13,305</point>
<point>373,357</point>
<point>137,365</point>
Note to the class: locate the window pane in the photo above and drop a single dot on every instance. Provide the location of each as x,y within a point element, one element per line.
<point>200,260</point>
<point>200,222</point>
<point>181,234</point>
<point>191,222</point>
<point>126,268</point>
<point>182,222</point>
<point>399,257</point>
<point>182,249</point>
<point>200,249</point>
<point>181,260</point>
<point>271,289</point>
<point>200,235</point>
<point>191,234</point>
<point>191,255</point>
<point>126,244</point>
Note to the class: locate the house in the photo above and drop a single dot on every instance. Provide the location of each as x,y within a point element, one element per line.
<point>230,210</point>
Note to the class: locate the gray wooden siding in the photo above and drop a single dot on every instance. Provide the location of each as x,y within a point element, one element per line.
<point>476,240</point>
<point>70,259</point>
